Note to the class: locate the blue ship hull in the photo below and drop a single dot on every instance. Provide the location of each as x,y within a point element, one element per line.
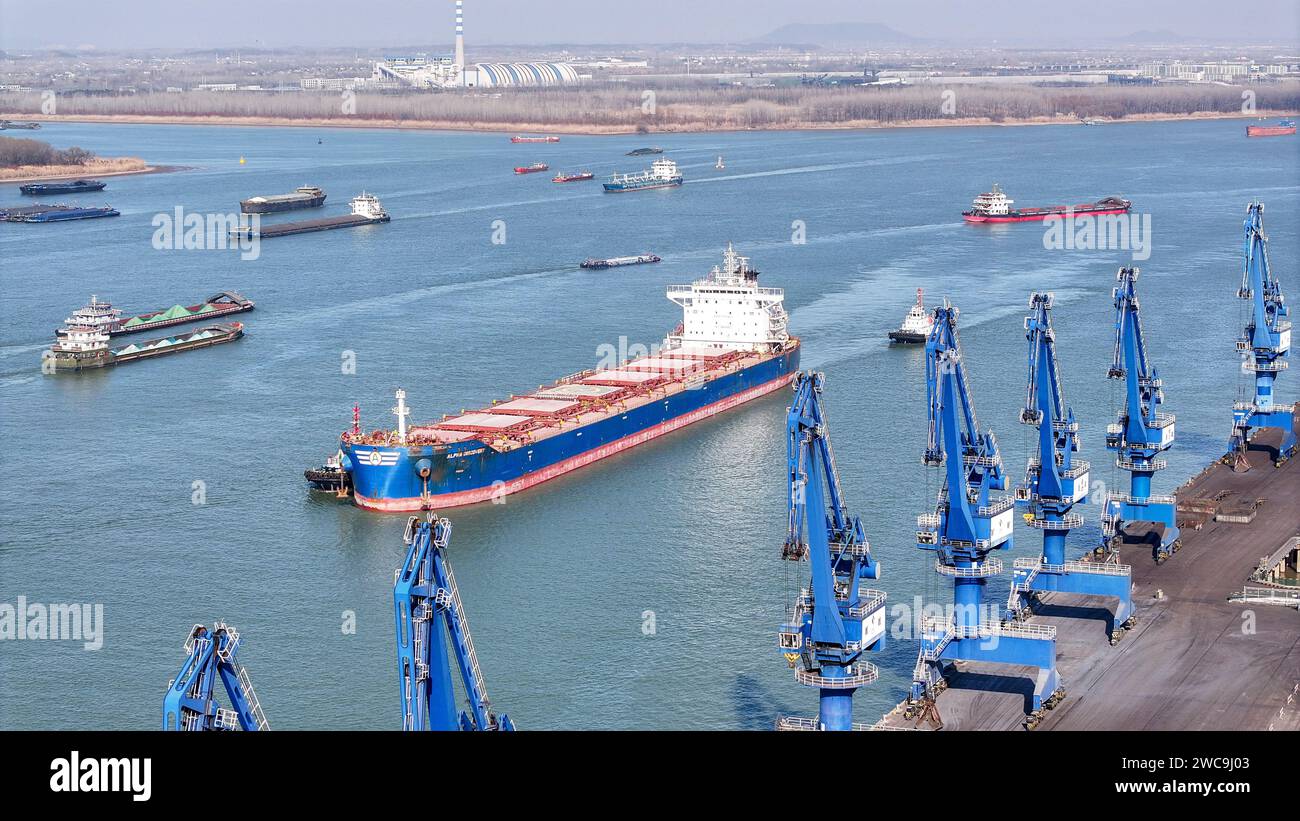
<point>426,477</point>
<point>616,187</point>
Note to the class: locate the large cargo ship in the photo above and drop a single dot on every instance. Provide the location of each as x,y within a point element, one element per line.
<point>1281,129</point>
<point>732,346</point>
<point>662,173</point>
<point>995,206</point>
<point>102,316</point>
<point>307,196</point>
<point>40,189</point>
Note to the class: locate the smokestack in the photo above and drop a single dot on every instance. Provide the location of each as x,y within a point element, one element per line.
<point>460,35</point>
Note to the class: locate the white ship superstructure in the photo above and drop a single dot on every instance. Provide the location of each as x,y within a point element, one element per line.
<point>992,203</point>
<point>727,310</point>
<point>96,315</point>
<point>367,205</point>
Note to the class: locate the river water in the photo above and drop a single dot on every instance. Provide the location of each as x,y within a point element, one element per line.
<point>644,591</point>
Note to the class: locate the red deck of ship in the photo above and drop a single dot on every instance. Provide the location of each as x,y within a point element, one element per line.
<point>576,400</point>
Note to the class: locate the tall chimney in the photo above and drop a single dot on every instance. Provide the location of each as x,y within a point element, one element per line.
<point>460,36</point>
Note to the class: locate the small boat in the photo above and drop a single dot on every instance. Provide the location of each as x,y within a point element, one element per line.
<point>916,325</point>
<point>618,262</point>
<point>38,189</point>
<point>531,169</point>
<point>1281,129</point>
<point>719,165</point>
<point>548,139</point>
<point>578,177</point>
<point>642,152</point>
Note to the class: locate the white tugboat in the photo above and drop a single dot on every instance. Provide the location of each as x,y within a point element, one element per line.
<point>916,325</point>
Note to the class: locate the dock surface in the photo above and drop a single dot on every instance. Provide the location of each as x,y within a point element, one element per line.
<point>1190,661</point>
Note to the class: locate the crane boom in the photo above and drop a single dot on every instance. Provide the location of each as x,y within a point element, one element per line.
<point>429,616</point>
<point>1265,345</point>
<point>833,621</point>
<point>190,705</point>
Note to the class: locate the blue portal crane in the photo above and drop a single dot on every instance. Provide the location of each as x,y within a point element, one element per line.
<point>1054,482</point>
<point>832,622</point>
<point>189,704</point>
<point>1141,434</point>
<point>1264,346</point>
<point>969,523</point>
<point>428,615</point>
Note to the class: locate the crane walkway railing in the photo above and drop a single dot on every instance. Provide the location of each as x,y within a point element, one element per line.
<point>454,591</point>
<point>254,703</point>
<point>1095,568</point>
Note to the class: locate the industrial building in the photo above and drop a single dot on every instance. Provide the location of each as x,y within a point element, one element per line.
<point>442,72</point>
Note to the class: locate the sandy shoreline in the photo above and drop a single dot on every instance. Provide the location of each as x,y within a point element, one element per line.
<point>593,130</point>
<point>86,174</point>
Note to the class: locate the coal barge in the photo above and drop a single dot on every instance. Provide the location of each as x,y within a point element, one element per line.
<point>55,213</point>
<point>40,189</point>
<point>366,210</point>
<point>80,348</point>
<point>307,196</point>
<point>103,316</point>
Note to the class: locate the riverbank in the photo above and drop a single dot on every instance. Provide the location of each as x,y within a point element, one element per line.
<point>99,167</point>
<point>686,126</point>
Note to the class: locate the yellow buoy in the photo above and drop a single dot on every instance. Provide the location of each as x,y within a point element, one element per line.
<point>241,160</point>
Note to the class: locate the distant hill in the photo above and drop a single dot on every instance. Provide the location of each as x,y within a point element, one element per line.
<point>837,35</point>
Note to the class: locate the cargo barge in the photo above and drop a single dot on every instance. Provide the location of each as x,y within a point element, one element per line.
<point>366,210</point>
<point>618,262</point>
<point>644,152</point>
<point>79,348</point>
<point>307,196</point>
<point>663,173</point>
<point>56,213</point>
<point>521,139</point>
<point>15,124</point>
<point>41,189</point>
<point>531,169</point>
<point>731,347</point>
<point>995,206</point>
<point>103,316</point>
<point>1283,128</point>
<point>578,177</point>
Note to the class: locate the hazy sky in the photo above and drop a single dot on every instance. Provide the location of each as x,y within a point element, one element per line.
<point>112,24</point>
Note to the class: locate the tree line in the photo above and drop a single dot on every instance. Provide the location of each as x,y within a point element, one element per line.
<point>17,151</point>
<point>689,105</point>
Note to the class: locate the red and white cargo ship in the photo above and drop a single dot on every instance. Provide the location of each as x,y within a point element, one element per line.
<point>732,346</point>
<point>995,206</point>
<point>531,169</point>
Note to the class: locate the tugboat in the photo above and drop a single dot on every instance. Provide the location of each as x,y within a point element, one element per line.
<point>662,173</point>
<point>995,206</point>
<point>330,476</point>
<point>578,177</point>
<point>916,325</point>
<point>531,169</point>
<point>38,189</point>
